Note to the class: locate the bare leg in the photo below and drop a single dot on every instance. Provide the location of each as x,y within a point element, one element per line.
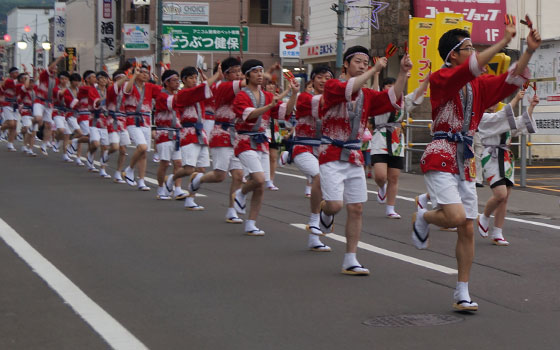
<point>392,185</point>
<point>255,185</point>
<point>464,250</point>
<point>353,226</point>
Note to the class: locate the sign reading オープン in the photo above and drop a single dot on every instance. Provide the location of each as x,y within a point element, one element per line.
<point>487,16</point>
<point>206,38</point>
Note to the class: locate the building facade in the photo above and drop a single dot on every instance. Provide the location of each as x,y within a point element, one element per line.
<point>23,24</point>
<point>207,32</point>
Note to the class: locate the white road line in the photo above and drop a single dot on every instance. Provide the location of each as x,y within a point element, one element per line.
<point>146,178</point>
<point>385,252</point>
<point>108,328</point>
<point>535,223</point>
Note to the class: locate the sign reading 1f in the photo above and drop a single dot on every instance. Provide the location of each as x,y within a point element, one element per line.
<point>492,34</point>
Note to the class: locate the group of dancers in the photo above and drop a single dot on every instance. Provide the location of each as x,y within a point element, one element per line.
<point>226,116</point>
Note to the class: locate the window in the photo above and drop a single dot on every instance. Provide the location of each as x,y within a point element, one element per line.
<point>275,12</point>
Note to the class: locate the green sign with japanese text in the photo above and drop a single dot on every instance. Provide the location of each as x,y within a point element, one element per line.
<point>205,38</point>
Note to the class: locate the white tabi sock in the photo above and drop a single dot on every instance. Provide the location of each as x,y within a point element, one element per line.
<point>250,225</point>
<point>314,220</point>
<point>462,291</point>
<point>497,232</point>
<point>177,191</point>
<point>189,202</point>
<point>307,190</point>
<point>140,183</point>
<point>313,241</point>
<point>231,213</point>
<point>390,209</point>
<point>350,260</point>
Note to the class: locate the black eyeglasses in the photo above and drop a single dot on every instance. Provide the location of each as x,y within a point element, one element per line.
<point>468,48</point>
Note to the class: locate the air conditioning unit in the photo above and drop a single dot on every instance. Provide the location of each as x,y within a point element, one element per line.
<point>140,2</point>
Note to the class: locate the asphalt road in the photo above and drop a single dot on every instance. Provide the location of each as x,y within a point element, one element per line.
<point>174,279</point>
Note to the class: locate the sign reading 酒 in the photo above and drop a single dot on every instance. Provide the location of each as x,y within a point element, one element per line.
<point>206,38</point>
<point>106,26</point>
<point>186,12</point>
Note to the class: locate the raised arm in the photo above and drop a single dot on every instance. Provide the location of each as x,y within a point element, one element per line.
<point>130,84</point>
<point>406,66</point>
<point>360,80</point>
<point>292,101</point>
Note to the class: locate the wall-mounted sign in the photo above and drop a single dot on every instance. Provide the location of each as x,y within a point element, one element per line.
<point>186,12</point>
<point>136,36</point>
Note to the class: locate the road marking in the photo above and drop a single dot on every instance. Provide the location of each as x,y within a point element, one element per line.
<point>104,324</point>
<point>536,223</point>
<point>385,252</point>
<point>146,178</point>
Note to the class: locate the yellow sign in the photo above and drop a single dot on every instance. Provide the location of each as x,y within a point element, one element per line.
<point>424,34</point>
<point>499,64</point>
<point>422,49</point>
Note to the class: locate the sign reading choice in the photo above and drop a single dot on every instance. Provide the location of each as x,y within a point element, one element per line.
<point>206,38</point>
<point>186,12</point>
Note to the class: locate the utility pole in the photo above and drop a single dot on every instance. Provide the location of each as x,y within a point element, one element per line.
<point>159,35</point>
<point>340,9</point>
<point>34,39</point>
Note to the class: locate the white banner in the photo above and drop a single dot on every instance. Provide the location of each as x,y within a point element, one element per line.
<point>59,29</point>
<point>106,26</point>
<point>136,36</point>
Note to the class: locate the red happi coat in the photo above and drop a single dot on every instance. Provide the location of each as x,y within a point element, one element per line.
<point>335,119</point>
<point>447,110</point>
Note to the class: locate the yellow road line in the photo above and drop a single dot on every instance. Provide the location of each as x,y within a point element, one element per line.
<point>541,167</point>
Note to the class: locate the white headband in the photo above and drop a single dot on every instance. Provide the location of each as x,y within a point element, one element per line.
<point>119,75</point>
<point>230,68</point>
<point>453,49</point>
<point>89,75</point>
<point>253,68</point>
<point>169,77</point>
<point>354,54</point>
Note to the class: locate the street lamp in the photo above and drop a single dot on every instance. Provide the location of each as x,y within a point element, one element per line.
<point>22,44</point>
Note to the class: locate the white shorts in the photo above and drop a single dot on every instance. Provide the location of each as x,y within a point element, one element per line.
<point>27,121</point>
<point>308,164</point>
<point>42,111</point>
<point>114,137</point>
<point>208,125</point>
<point>124,138</point>
<point>60,122</point>
<point>84,127</point>
<point>167,152</point>
<point>195,155</point>
<point>447,188</point>
<point>8,113</point>
<point>140,135</point>
<point>72,124</point>
<point>98,135</point>
<point>343,181</point>
<point>255,161</point>
<point>223,158</point>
